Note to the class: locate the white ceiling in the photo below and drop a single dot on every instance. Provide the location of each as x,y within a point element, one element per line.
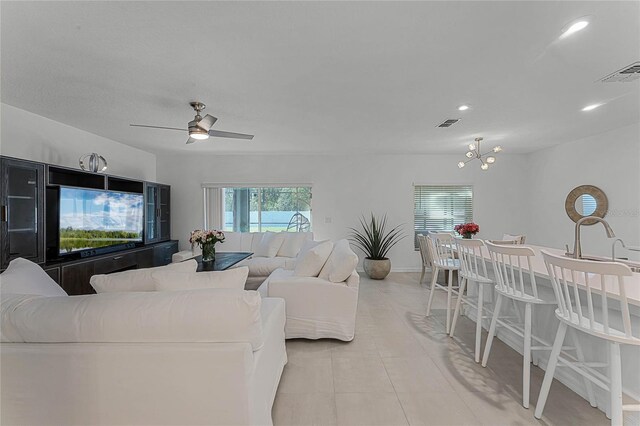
<point>318,77</point>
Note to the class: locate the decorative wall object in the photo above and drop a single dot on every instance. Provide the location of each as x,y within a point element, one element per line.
<point>93,163</point>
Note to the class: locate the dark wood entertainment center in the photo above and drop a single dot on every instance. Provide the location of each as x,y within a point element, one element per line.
<point>24,189</point>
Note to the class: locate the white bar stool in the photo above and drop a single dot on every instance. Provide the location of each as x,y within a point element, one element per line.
<point>569,277</point>
<point>508,262</point>
<point>441,245</point>
<point>473,268</point>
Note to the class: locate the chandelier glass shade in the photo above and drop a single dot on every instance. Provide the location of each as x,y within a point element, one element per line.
<point>475,152</point>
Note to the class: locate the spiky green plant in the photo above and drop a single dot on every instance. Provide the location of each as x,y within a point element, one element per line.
<point>374,240</point>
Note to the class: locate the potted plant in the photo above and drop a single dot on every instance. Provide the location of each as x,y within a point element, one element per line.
<point>467,230</point>
<point>207,240</point>
<point>375,241</point>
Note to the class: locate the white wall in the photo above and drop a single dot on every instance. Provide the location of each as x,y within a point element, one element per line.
<point>33,137</point>
<point>610,161</point>
<point>347,186</point>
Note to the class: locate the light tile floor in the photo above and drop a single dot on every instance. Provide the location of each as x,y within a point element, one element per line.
<point>403,369</point>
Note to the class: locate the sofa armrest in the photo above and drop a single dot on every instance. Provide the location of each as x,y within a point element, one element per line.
<point>314,297</point>
<point>203,315</point>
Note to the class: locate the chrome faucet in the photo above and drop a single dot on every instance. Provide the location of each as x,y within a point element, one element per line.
<point>577,248</point>
<point>613,248</point>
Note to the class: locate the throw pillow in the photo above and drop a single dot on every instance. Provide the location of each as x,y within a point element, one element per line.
<point>137,279</point>
<point>270,244</point>
<point>311,261</point>
<point>293,242</point>
<point>341,263</point>
<point>25,277</point>
<point>169,280</point>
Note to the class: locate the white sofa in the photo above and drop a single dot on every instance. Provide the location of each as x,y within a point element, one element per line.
<point>283,252</point>
<point>209,356</point>
<point>322,306</point>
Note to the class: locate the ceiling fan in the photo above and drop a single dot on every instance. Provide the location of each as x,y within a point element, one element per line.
<point>200,127</point>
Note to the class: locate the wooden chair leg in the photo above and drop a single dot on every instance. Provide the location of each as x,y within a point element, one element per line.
<point>458,303</point>
<point>616,384</point>
<point>434,277</point>
<point>479,323</point>
<point>526,361</point>
<point>449,298</point>
<point>492,331</point>
<point>551,368</point>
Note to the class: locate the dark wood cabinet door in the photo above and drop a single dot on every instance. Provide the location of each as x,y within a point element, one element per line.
<point>162,253</point>
<point>75,278</point>
<point>164,212</point>
<point>21,211</point>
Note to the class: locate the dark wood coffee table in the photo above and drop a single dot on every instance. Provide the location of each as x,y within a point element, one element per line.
<point>223,261</point>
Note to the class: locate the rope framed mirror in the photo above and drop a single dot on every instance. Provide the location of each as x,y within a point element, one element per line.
<point>586,200</point>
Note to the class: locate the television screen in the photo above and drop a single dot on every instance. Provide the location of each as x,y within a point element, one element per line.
<point>95,218</point>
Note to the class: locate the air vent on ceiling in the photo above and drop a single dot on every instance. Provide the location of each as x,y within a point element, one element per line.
<point>626,74</point>
<point>448,123</point>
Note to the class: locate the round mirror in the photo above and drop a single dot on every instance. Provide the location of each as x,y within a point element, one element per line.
<point>586,200</point>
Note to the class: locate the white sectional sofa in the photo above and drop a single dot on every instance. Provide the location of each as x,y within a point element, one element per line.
<point>208,356</point>
<point>279,252</point>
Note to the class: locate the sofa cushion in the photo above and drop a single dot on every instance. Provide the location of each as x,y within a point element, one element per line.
<point>270,244</point>
<point>341,263</point>
<point>137,279</point>
<point>204,315</point>
<point>264,266</point>
<point>293,242</point>
<point>25,277</point>
<point>232,278</point>
<point>311,261</point>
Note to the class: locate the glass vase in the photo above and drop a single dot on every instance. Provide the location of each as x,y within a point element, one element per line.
<point>208,252</point>
<point>467,236</point>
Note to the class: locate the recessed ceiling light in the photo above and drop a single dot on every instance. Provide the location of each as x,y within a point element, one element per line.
<point>574,27</point>
<point>463,107</point>
<point>591,107</point>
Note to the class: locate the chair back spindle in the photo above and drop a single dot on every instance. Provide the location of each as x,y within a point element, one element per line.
<point>512,267</point>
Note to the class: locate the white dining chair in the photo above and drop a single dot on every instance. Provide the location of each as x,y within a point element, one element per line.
<point>515,281</point>
<point>423,245</point>
<point>577,283</point>
<point>441,251</point>
<point>473,269</point>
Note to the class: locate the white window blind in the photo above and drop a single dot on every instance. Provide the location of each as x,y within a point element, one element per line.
<point>441,207</point>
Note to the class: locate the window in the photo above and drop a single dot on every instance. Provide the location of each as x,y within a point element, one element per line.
<point>258,209</point>
<point>441,207</point>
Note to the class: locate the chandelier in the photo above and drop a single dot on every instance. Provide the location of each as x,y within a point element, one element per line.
<point>475,153</point>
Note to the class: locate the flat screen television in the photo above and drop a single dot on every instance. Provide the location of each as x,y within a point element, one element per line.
<point>90,219</point>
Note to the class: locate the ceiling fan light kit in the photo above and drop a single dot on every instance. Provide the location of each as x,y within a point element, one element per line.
<point>200,127</point>
<point>475,153</point>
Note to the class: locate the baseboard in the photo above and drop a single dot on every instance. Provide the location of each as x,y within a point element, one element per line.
<point>407,269</point>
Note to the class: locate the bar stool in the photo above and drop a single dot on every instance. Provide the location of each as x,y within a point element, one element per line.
<point>569,277</point>
<point>508,262</point>
<point>441,245</point>
<point>473,268</point>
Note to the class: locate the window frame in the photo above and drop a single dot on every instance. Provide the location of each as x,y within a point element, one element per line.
<point>207,222</point>
<point>459,186</point>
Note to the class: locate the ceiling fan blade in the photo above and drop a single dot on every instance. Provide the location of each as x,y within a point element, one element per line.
<point>190,140</point>
<point>206,122</point>
<point>231,135</point>
<point>157,127</point>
